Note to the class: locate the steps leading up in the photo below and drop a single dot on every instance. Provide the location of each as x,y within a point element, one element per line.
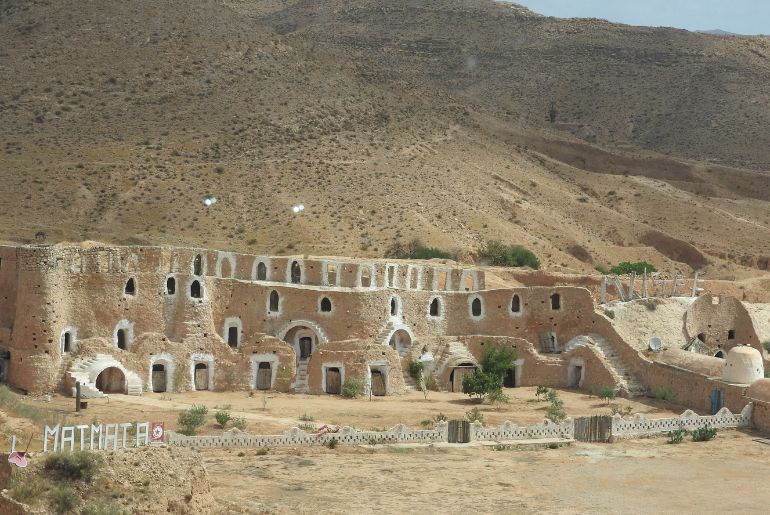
<point>86,369</point>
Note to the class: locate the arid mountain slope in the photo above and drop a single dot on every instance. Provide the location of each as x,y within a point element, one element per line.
<point>388,120</point>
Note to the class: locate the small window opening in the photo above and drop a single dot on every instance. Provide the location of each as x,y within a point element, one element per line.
<point>122,339</point>
<point>476,307</point>
<point>130,287</point>
<point>434,308</point>
<point>731,334</point>
<point>66,342</point>
<point>516,304</point>
<point>702,337</point>
<point>326,305</point>
<point>274,301</point>
<point>170,286</point>
<point>195,290</point>
<point>261,272</point>
<point>393,306</point>
<point>232,336</point>
<point>198,265</point>
<point>555,301</point>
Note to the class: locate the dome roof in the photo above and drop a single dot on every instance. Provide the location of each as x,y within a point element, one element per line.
<point>743,365</point>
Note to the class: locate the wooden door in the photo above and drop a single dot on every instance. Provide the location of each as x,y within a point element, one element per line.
<point>305,347</point>
<point>333,381</point>
<point>201,377</point>
<point>378,383</point>
<point>158,378</point>
<point>264,376</point>
<point>457,377</point>
<point>459,431</point>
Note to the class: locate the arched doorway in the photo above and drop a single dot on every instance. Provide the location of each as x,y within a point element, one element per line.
<point>111,380</point>
<point>400,340</point>
<point>264,376</point>
<point>159,378</point>
<point>201,376</point>
<point>304,340</point>
<point>457,374</point>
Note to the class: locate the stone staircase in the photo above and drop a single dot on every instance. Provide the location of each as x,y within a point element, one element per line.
<point>452,351</point>
<point>86,369</point>
<point>409,382</point>
<point>61,373</point>
<point>300,382</point>
<point>624,377</point>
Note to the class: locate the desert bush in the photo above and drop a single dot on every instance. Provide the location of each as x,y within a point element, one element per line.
<point>440,417</point>
<point>70,466</point>
<point>677,435</point>
<point>352,388</point>
<point>499,254</point>
<point>498,361</point>
<point>478,384</point>
<point>239,423</point>
<point>541,390</point>
<point>664,393</point>
<point>555,412</point>
<point>609,314</point>
<point>306,418</point>
<point>431,383</point>
<point>638,267</point>
<point>651,305</point>
<point>64,498</point>
<point>191,419</point>
<point>475,415</point>
<point>222,418</point>
<point>498,397</point>
<point>262,451</point>
<point>704,434</point>
<point>766,345</point>
<point>415,250</point>
<point>332,444</point>
<point>27,489</point>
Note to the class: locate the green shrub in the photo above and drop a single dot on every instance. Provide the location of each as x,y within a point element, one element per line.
<point>704,434</point>
<point>263,451</point>
<point>555,412</point>
<point>609,314</point>
<point>478,384</point>
<point>677,435</point>
<point>638,267</point>
<point>553,445</point>
<point>498,397</point>
<point>440,417</point>
<point>499,254</point>
<point>431,383</point>
<point>222,418</point>
<point>607,394</point>
<point>332,444</point>
<point>191,419</point>
<point>27,489</point>
<point>352,388</point>
<point>498,361</point>
<point>415,369</point>
<point>64,498</point>
<point>415,250</point>
<point>239,423</point>
<point>78,465</point>
<point>306,418</point>
<point>651,305</point>
<point>664,393</point>
<point>475,415</point>
<point>766,345</point>
<point>541,390</point>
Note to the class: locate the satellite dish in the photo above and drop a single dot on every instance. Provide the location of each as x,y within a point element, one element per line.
<point>655,344</point>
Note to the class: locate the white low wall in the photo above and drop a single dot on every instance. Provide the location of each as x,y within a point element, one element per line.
<point>639,425</point>
<point>510,431</point>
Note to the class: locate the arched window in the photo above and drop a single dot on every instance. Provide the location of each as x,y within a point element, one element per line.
<point>261,272</point>
<point>195,290</point>
<point>296,273</point>
<point>476,307</point>
<point>66,342</point>
<point>122,339</point>
<point>198,265</point>
<point>130,288</point>
<point>326,305</point>
<point>170,286</point>
<point>555,301</point>
<point>273,302</point>
<point>435,308</point>
<point>515,304</point>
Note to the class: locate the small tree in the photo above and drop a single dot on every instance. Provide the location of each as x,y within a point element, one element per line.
<point>608,394</point>
<point>498,361</point>
<point>478,384</point>
<point>222,418</point>
<point>555,412</point>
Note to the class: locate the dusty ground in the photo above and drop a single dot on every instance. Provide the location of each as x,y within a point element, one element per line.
<point>286,410</point>
<point>644,476</point>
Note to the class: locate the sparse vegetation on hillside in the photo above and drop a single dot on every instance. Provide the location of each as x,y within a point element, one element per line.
<point>638,267</point>
<point>415,250</point>
<point>495,253</point>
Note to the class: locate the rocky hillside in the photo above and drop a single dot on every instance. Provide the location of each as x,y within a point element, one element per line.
<point>452,121</point>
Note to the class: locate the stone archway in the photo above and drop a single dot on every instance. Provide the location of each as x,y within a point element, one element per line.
<point>111,380</point>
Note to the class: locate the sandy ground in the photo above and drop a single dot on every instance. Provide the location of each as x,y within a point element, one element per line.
<point>286,410</point>
<point>643,476</point>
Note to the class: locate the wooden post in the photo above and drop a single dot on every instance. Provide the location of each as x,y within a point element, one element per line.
<point>77,396</point>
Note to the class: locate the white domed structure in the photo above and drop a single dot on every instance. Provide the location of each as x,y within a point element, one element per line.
<point>743,365</point>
